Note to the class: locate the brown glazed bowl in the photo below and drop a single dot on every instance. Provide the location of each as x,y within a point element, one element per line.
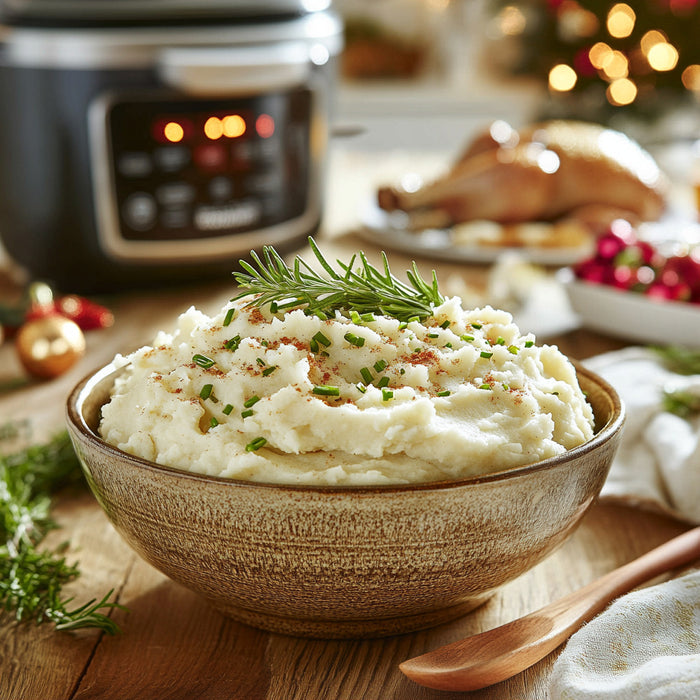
<point>342,562</point>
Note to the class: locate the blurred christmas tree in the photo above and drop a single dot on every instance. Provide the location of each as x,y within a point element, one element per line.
<point>600,59</point>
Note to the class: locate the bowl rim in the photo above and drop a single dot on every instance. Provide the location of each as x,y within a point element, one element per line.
<point>82,389</point>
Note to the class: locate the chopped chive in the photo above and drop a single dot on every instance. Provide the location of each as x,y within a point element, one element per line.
<point>506,387</point>
<point>476,325</point>
<point>319,314</point>
<point>322,339</point>
<point>260,361</point>
<point>326,390</point>
<point>403,325</point>
<point>443,393</point>
<point>323,353</point>
<point>445,324</point>
<point>354,339</point>
<point>227,409</point>
<point>213,422</point>
<point>361,387</point>
<point>205,392</point>
<point>379,365</point>
<point>485,386</point>
<point>251,401</point>
<point>513,349</point>
<point>384,381</point>
<point>529,343</point>
<point>248,412</point>
<point>433,335</point>
<point>387,394</point>
<point>203,361</point>
<point>269,370</point>
<point>466,338</point>
<point>274,307</point>
<point>416,350</point>
<point>366,375</point>
<point>402,371</point>
<point>233,343</point>
<point>256,444</point>
<point>313,345</point>
<point>367,318</point>
<point>555,393</point>
<point>486,354</point>
<point>448,345</point>
<point>355,317</point>
<point>500,340</point>
<point>264,343</point>
<point>229,317</point>
<point>414,318</point>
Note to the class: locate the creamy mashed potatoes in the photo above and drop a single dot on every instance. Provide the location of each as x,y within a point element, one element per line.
<point>294,399</point>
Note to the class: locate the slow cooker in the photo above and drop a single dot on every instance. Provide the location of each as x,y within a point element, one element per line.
<point>150,141</point>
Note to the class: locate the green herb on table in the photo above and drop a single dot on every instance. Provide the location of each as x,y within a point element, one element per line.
<point>681,402</point>
<point>31,577</point>
<point>679,360</point>
<point>363,289</point>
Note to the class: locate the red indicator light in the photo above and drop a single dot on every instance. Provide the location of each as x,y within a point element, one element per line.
<point>211,156</point>
<point>265,126</point>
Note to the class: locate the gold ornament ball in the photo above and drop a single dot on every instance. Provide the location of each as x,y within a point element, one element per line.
<point>49,346</point>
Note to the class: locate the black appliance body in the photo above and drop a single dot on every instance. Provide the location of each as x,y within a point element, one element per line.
<point>146,147</point>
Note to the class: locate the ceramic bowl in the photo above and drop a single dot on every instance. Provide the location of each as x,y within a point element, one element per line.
<point>343,562</point>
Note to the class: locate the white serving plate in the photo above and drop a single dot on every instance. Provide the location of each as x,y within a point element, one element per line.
<point>632,316</point>
<point>386,231</point>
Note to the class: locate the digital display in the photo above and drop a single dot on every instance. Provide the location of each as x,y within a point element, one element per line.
<point>201,168</point>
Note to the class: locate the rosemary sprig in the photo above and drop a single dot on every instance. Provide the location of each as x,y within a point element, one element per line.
<point>31,578</point>
<point>678,359</point>
<point>362,289</point>
<point>681,402</point>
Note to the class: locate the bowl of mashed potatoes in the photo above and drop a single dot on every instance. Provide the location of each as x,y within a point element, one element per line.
<point>351,475</point>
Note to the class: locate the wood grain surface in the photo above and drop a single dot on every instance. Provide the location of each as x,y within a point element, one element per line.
<point>173,645</point>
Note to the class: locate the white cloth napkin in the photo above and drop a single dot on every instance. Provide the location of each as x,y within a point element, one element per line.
<point>658,461</point>
<point>646,645</point>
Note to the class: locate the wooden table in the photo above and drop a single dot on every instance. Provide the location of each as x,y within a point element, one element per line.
<point>174,646</point>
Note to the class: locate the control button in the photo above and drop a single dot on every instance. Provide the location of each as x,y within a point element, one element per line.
<point>242,154</point>
<point>134,164</point>
<point>242,214</point>
<point>270,181</point>
<point>172,158</point>
<point>140,211</point>
<point>175,218</point>
<point>173,194</point>
<point>220,188</point>
<point>211,156</point>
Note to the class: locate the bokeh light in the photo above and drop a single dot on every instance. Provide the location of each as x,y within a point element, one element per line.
<point>621,92</point>
<point>621,19</point>
<point>562,78</point>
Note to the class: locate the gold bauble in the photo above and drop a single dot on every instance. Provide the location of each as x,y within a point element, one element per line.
<point>49,346</point>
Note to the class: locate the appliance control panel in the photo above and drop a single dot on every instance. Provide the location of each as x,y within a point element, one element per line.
<point>204,168</point>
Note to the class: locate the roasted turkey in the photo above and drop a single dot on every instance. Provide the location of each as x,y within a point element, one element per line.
<point>545,172</point>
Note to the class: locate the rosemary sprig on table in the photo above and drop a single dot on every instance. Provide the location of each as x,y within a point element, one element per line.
<point>31,578</point>
<point>682,402</point>
<point>363,289</point>
<point>678,359</point>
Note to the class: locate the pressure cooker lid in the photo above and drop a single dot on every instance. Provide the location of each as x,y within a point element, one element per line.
<point>81,13</point>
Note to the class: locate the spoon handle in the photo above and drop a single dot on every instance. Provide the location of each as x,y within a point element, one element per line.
<point>493,656</point>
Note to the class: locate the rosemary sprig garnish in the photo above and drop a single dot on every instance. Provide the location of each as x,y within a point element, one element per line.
<point>681,402</point>
<point>363,289</point>
<point>31,578</point>
<point>678,359</point>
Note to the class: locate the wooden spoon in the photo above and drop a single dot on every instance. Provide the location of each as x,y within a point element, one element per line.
<point>493,656</point>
